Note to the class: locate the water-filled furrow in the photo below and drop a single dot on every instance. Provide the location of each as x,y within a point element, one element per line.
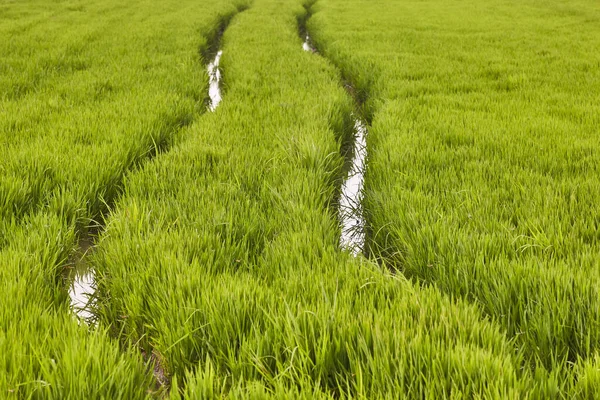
<point>214,88</point>
<point>80,275</point>
<point>307,45</point>
<point>81,294</point>
<point>350,209</point>
<point>81,279</point>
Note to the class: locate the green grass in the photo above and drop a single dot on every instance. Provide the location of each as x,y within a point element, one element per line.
<point>92,100</point>
<point>222,256</point>
<point>482,176</point>
<point>83,101</point>
<point>219,254</point>
<point>44,352</point>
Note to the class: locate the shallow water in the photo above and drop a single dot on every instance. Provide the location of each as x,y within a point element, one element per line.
<point>81,277</point>
<point>351,209</point>
<point>81,280</point>
<point>80,292</point>
<point>214,89</point>
<point>307,46</point>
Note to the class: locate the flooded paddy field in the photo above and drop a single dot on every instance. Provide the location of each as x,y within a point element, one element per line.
<point>299,199</point>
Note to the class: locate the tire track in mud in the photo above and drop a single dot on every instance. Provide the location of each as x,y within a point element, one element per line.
<point>354,150</point>
<point>78,274</point>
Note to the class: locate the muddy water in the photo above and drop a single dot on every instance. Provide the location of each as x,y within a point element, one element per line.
<point>81,280</point>
<point>214,89</point>
<point>351,210</point>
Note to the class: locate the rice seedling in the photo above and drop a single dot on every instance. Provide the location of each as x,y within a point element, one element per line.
<point>218,266</point>
<point>83,101</point>
<point>44,352</point>
<point>222,257</point>
<point>92,100</point>
<point>482,177</point>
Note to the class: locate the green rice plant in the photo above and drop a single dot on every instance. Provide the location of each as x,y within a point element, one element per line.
<point>482,172</point>
<point>222,259</point>
<point>219,270</point>
<point>87,93</point>
<point>45,353</point>
<point>588,382</point>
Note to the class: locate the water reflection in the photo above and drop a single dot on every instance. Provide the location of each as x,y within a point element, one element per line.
<point>80,278</point>
<point>351,208</point>
<point>214,89</point>
<point>81,292</point>
<point>307,46</point>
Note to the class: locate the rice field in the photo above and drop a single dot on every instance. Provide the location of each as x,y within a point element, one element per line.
<point>384,199</point>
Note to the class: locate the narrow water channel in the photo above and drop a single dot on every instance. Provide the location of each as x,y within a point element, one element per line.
<point>214,88</point>
<point>80,275</point>
<point>350,208</point>
<point>81,293</point>
<point>307,46</point>
<point>82,282</point>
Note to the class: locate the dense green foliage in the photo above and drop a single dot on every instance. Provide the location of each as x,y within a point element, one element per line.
<point>86,93</point>
<point>222,256</point>
<point>218,264</point>
<point>44,352</point>
<point>483,163</point>
<point>91,90</point>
